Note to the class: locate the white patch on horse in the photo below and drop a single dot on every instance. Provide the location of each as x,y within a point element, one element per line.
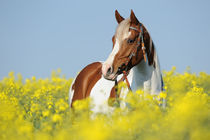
<point>150,40</point>
<point>156,77</point>
<point>100,94</point>
<point>71,92</point>
<point>110,59</point>
<point>147,77</point>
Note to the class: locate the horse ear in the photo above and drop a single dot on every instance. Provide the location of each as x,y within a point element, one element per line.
<point>133,18</point>
<point>118,17</point>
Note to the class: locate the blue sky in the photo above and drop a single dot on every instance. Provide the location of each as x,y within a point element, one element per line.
<point>39,36</point>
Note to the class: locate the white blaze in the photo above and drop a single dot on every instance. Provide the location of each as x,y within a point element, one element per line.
<point>110,59</point>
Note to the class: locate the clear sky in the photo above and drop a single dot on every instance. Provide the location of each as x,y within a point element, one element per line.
<point>39,36</point>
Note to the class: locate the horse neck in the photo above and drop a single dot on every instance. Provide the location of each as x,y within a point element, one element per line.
<point>147,77</point>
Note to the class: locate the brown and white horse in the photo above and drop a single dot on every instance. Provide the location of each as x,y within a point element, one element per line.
<point>133,58</point>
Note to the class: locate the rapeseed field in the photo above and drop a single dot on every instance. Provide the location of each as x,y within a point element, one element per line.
<point>38,109</point>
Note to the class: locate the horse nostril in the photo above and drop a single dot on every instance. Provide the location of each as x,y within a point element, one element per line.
<point>109,71</point>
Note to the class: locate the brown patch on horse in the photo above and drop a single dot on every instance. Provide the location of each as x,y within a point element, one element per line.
<point>73,86</point>
<point>112,97</point>
<point>85,81</point>
<point>133,18</point>
<point>113,41</point>
<point>150,55</point>
<point>113,93</point>
<point>150,49</point>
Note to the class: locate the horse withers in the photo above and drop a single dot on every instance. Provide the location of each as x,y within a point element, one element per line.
<point>133,58</point>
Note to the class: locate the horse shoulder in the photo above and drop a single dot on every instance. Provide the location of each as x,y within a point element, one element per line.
<point>85,81</point>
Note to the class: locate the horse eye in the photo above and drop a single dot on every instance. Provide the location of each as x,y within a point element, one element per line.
<point>130,41</point>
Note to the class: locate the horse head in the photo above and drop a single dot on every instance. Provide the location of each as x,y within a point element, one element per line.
<point>131,45</point>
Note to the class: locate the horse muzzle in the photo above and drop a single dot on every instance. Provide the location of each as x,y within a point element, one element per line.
<point>108,72</point>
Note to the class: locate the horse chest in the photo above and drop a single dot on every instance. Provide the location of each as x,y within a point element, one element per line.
<point>101,91</point>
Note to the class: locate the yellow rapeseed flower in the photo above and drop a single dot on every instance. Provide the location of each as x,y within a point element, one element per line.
<point>163,95</point>
<point>39,109</point>
<point>46,113</point>
<point>56,118</point>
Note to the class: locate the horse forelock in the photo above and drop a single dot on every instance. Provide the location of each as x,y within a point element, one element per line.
<point>122,30</point>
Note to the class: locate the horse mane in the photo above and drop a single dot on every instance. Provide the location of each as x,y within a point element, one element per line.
<point>151,50</point>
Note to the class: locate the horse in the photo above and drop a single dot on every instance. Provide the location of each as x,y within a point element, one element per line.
<point>133,59</point>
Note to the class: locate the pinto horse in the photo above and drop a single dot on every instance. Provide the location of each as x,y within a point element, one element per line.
<point>133,59</point>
